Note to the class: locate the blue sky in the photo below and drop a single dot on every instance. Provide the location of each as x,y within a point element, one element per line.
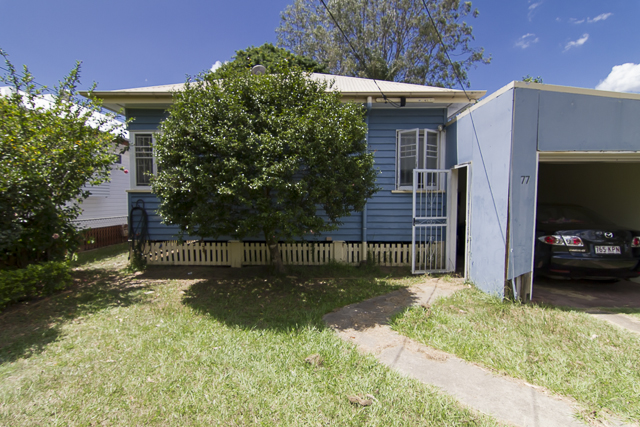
<point>133,43</point>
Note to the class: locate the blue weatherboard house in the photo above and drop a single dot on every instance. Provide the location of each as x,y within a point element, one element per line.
<point>460,178</point>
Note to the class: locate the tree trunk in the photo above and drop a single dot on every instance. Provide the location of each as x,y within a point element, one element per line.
<point>276,259</point>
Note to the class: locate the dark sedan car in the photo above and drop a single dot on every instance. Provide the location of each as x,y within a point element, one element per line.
<point>576,243</point>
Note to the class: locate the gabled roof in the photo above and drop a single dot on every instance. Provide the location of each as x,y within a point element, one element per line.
<point>550,88</point>
<point>352,89</point>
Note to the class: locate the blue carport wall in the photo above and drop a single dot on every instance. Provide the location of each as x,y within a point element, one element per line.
<point>504,138</point>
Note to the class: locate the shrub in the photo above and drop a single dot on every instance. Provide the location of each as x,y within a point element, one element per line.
<point>33,281</point>
<point>53,146</point>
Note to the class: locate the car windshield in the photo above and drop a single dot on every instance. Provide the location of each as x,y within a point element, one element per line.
<point>571,216</point>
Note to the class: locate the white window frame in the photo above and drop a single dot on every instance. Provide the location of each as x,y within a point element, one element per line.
<point>420,150</point>
<point>134,159</point>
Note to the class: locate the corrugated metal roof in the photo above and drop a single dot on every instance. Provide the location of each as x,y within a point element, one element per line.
<point>149,89</point>
<point>354,85</point>
<point>381,93</point>
<point>344,84</point>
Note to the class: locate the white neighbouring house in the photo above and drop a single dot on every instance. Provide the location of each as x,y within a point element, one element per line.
<point>107,204</point>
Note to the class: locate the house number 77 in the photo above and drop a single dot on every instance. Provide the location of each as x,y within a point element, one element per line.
<point>524,179</point>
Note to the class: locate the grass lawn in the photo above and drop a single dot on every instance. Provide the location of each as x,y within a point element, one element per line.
<point>110,257</point>
<point>203,346</point>
<point>568,352</point>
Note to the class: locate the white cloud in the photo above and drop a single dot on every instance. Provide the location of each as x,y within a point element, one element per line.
<point>215,66</point>
<point>622,78</point>
<point>527,40</point>
<point>582,40</point>
<point>532,8</point>
<point>534,5</point>
<point>600,17</point>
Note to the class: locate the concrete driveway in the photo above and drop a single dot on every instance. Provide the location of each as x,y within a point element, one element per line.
<point>586,294</point>
<point>599,299</point>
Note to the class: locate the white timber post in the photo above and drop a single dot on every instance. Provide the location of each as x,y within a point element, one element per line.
<point>363,253</point>
<point>339,253</point>
<point>236,253</point>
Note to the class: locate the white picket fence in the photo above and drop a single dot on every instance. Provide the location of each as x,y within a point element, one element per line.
<point>238,254</point>
<point>187,253</point>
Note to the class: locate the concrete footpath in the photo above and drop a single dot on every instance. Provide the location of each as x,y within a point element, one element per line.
<point>625,322</point>
<point>508,400</point>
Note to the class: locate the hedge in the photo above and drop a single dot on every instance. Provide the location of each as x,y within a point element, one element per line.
<point>33,281</point>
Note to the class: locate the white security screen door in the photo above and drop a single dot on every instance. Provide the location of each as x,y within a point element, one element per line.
<point>434,219</point>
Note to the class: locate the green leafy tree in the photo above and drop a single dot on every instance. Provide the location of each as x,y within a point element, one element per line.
<point>51,146</point>
<point>268,55</point>
<point>529,79</point>
<point>385,39</point>
<point>259,155</point>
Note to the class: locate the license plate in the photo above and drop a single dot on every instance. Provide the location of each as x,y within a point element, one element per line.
<point>607,249</point>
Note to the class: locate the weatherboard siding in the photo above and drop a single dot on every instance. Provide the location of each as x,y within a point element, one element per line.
<point>388,214</point>
<point>156,230</point>
<point>351,229</point>
<point>145,118</point>
<point>110,207</point>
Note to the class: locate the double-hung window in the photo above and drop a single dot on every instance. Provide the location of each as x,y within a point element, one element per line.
<point>144,162</point>
<point>416,149</point>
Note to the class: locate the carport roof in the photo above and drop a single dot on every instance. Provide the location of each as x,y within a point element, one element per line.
<point>550,88</point>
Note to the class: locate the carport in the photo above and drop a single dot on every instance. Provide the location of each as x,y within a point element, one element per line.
<point>606,183</point>
<point>530,143</point>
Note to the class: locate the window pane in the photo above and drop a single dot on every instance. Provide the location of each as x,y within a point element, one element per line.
<point>417,149</point>
<point>144,159</point>
<point>144,170</point>
<point>406,171</point>
<point>432,150</point>
<point>408,154</point>
<point>421,150</point>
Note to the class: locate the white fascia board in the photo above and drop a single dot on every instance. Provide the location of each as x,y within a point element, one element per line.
<point>157,96</point>
<point>484,101</point>
<point>575,90</point>
<point>588,156</point>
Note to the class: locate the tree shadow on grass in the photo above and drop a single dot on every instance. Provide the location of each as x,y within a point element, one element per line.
<point>29,327</point>
<point>258,300</point>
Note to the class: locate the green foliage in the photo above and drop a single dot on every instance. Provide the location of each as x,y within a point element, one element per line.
<point>137,261</point>
<point>50,146</point>
<point>269,56</point>
<point>392,39</point>
<point>32,281</point>
<point>251,155</point>
<point>529,79</point>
